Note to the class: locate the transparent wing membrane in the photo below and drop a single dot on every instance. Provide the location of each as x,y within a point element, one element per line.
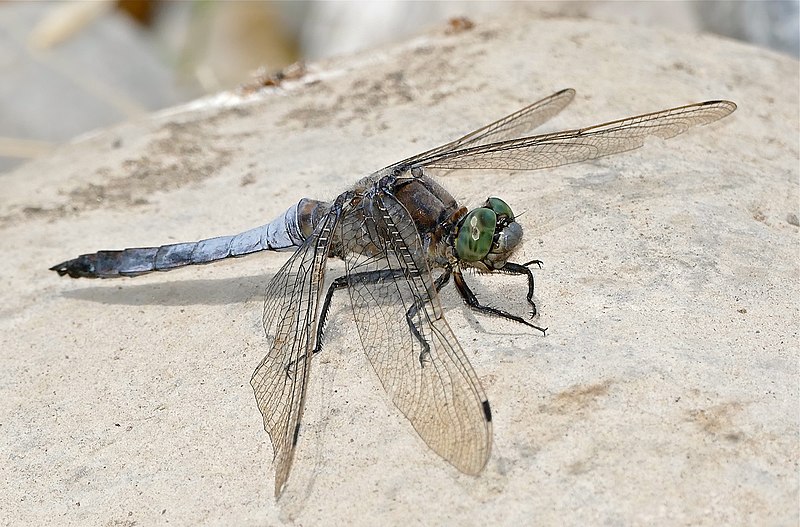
<point>406,337</point>
<point>290,313</point>
<point>509,127</point>
<point>583,144</point>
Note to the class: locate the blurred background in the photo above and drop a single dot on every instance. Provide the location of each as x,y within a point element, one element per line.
<point>70,67</point>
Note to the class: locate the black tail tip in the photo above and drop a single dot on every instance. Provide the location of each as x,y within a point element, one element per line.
<point>80,267</point>
<point>61,268</point>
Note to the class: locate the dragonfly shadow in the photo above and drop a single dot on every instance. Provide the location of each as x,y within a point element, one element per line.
<point>238,290</point>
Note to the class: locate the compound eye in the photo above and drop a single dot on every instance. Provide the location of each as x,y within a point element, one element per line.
<point>500,208</point>
<point>475,235</point>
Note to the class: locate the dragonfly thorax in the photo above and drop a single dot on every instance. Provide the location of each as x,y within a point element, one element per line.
<point>487,236</point>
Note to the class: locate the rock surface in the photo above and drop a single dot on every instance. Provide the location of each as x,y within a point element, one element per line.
<point>666,391</point>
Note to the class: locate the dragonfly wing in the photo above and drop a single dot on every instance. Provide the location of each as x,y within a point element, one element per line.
<point>398,314</point>
<point>573,146</point>
<point>290,316</point>
<point>511,126</point>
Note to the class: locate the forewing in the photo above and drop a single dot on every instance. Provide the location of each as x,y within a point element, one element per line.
<point>290,315</point>
<point>391,287</point>
<point>573,146</point>
<point>511,126</point>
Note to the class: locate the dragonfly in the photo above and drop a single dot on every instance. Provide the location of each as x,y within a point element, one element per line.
<point>402,238</point>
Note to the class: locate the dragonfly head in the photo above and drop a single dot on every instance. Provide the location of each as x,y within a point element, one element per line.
<point>488,235</point>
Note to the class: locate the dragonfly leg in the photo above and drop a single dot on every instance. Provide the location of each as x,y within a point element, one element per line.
<point>439,283</point>
<point>340,283</point>
<point>514,268</point>
<point>472,301</point>
<point>370,277</point>
<point>426,348</point>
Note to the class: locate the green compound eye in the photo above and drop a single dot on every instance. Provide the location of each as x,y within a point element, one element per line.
<point>475,235</point>
<point>500,208</point>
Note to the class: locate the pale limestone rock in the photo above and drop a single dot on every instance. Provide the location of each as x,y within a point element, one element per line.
<point>666,391</point>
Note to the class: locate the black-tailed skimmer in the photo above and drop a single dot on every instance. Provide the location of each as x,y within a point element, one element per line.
<point>402,238</point>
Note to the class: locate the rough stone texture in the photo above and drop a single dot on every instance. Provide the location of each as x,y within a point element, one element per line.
<point>666,391</point>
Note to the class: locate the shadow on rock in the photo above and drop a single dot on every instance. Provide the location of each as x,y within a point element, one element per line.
<point>241,289</point>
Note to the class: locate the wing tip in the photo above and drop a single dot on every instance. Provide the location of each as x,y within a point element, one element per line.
<point>279,487</point>
<point>722,103</point>
<point>487,411</point>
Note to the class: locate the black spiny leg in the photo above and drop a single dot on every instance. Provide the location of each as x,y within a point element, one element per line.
<point>472,301</point>
<point>340,283</point>
<point>514,268</point>
<point>439,283</point>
